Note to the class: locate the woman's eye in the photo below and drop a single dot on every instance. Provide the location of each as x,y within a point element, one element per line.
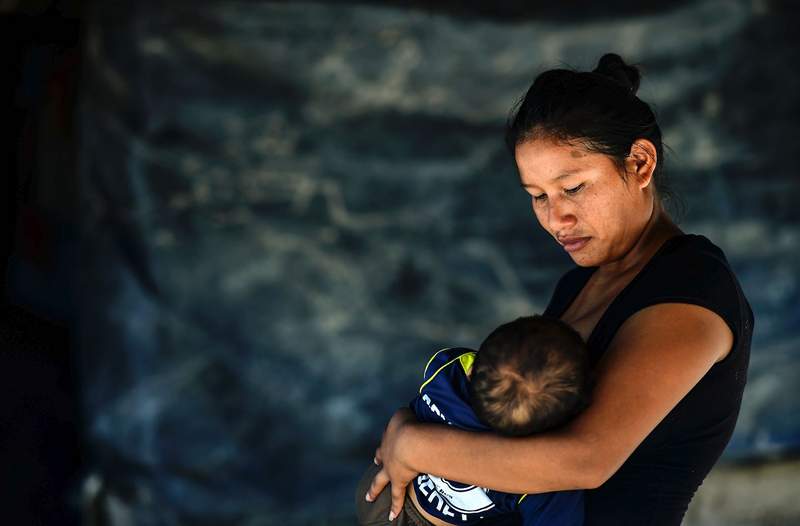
<point>541,197</point>
<point>574,190</point>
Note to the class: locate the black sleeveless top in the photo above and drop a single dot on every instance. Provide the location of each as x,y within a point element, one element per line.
<point>654,486</point>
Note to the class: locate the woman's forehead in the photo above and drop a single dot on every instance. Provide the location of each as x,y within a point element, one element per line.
<point>547,162</point>
<point>551,148</point>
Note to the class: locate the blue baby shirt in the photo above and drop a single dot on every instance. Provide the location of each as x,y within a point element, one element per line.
<point>444,398</point>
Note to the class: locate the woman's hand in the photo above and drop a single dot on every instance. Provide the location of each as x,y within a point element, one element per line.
<point>395,469</point>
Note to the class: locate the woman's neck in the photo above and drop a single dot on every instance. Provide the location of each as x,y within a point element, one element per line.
<point>656,231</point>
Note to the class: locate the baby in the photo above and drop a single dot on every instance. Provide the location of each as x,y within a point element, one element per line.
<point>528,376</point>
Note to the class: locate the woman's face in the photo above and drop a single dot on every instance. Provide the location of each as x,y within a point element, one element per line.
<point>582,201</point>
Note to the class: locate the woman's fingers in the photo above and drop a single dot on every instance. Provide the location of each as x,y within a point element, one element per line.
<point>399,473</point>
<point>392,470</point>
<point>398,498</point>
<point>397,487</point>
<point>379,481</point>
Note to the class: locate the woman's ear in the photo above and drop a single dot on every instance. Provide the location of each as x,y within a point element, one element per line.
<point>641,162</point>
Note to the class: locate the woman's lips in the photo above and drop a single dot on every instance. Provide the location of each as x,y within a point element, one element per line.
<point>575,244</point>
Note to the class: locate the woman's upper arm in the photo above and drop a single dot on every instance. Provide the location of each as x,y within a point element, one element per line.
<point>656,357</point>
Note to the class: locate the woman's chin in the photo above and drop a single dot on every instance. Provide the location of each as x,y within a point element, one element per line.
<point>583,260</point>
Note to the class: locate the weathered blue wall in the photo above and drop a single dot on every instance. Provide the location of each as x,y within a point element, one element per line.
<point>287,208</point>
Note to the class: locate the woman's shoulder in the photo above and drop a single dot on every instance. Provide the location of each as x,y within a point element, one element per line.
<point>695,246</point>
<point>689,262</point>
<point>693,269</point>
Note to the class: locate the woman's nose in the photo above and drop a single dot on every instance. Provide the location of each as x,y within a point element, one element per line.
<point>560,215</point>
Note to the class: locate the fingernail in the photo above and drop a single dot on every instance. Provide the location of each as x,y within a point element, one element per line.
<point>391,516</point>
<point>366,497</point>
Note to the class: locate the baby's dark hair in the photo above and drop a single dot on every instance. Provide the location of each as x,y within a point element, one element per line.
<point>529,375</point>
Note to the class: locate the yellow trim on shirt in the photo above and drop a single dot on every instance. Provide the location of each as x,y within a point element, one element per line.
<point>425,372</point>
<point>467,357</point>
<point>522,497</point>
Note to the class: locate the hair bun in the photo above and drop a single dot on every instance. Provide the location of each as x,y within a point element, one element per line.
<point>613,67</point>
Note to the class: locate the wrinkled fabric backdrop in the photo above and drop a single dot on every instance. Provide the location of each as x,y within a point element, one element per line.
<point>287,208</point>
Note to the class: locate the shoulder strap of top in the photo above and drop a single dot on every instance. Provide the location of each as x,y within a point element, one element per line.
<point>694,271</point>
<point>567,288</point>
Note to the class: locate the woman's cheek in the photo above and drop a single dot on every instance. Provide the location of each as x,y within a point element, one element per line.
<point>539,211</point>
<point>588,203</point>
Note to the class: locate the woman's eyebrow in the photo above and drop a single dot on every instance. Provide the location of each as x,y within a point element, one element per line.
<point>563,174</point>
<point>566,173</point>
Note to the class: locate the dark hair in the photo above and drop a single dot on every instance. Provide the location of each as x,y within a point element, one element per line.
<point>597,108</point>
<point>529,375</point>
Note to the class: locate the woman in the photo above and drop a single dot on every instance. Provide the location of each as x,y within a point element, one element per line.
<point>664,317</point>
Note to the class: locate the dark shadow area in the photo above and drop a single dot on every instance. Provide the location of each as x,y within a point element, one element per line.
<point>40,431</point>
<point>582,10</point>
<point>39,424</point>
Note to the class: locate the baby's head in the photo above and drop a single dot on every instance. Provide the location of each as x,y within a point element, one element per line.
<point>529,375</point>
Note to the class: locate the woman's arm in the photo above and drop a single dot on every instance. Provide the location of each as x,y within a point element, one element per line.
<point>655,359</point>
